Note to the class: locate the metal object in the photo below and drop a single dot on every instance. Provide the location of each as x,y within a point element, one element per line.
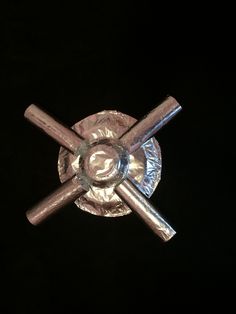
<point>89,163</point>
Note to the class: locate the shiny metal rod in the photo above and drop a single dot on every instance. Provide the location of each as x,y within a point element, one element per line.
<point>63,135</point>
<point>150,124</point>
<point>137,202</point>
<point>66,193</point>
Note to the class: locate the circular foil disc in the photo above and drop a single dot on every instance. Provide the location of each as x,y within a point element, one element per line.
<point>144,167</point>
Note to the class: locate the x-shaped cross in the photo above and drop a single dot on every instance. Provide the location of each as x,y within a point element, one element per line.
<point>128,143</point>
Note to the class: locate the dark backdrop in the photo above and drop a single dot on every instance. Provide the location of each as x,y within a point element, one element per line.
<point>78,61</point>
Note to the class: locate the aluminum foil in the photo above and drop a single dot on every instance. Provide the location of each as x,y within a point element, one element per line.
<point>144,166</point>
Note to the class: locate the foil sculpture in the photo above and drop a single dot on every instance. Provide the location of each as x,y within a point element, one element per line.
<point>107,163</point>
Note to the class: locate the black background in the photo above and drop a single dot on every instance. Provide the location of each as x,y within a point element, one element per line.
<point>75,61</point>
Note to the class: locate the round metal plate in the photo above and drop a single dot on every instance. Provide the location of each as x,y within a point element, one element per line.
<point>144,167</point>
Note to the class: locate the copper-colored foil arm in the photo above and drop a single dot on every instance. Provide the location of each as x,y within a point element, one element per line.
<point>132,140</point>
<point>68,192</point>
<point>63,135</point>
<point>150,124</point>
<point>138,203</point>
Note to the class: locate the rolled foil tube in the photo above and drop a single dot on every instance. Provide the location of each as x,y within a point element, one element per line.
<point>63,135</point>
<point>150,124</point>
<point>138,203</point>
<point>66,193</point>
